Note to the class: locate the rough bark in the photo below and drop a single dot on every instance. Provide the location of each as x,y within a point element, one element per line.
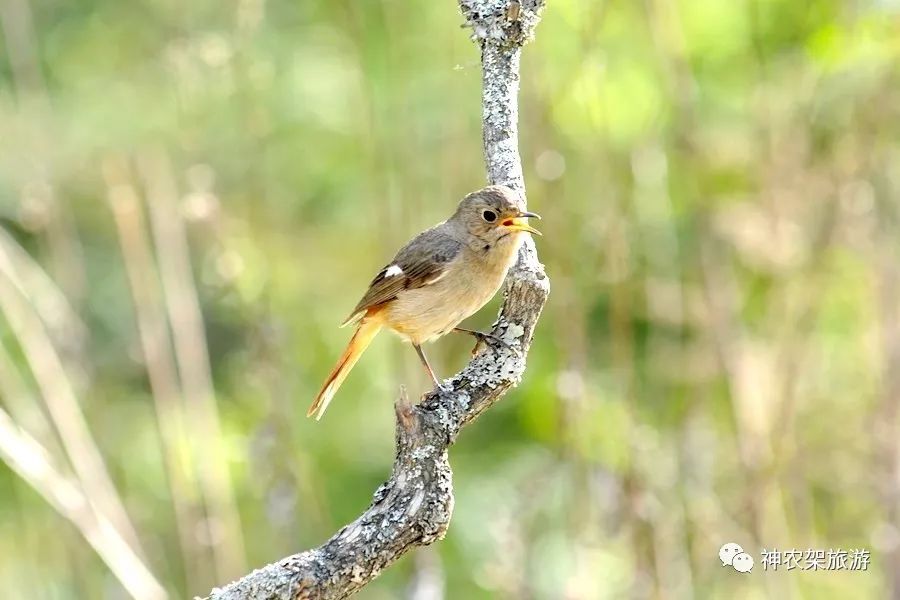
<point>414,505</point>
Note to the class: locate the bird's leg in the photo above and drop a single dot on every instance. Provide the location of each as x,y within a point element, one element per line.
<point>428,368</point>
<point>483,337</point>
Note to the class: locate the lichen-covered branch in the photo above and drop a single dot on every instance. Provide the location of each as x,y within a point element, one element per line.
<point>501,27</point>
<point>413,507</point>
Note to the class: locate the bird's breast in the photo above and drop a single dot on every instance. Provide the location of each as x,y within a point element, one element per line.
<point>431,311</point>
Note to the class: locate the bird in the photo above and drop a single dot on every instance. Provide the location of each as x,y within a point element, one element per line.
<point>440,277</point>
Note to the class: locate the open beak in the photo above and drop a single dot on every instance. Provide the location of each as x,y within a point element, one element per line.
<point>518,223</point>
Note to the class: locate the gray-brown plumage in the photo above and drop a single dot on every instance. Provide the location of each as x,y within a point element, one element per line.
<point>439,278</point>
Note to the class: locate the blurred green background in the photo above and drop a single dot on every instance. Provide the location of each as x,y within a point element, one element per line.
<point>193,195</point>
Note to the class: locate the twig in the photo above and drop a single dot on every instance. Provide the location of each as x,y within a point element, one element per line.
<point>414,506</point>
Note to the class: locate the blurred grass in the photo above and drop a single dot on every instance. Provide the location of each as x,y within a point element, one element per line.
<point>718,361</point>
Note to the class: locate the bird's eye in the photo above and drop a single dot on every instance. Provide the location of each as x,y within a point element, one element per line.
<point>489,216</point>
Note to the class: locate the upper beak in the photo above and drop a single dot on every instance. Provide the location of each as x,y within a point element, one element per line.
<point>519,223</point>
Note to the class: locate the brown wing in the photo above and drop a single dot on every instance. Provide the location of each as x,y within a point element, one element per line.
<point>419,263</point>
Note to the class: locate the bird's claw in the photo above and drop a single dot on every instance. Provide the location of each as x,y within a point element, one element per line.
<point>487,338</point>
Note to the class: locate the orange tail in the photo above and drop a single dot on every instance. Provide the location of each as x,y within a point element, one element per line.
<point>366,331</point>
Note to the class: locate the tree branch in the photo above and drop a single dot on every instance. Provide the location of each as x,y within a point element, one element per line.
<point>413,507</point>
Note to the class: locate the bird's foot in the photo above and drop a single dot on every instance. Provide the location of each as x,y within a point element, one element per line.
<point>488,339</point>
<point>440,388</point>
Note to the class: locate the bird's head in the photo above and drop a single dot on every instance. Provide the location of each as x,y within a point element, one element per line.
<point>493,214</point>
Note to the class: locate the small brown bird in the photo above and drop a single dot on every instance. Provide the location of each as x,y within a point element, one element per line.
<point>442,276</point>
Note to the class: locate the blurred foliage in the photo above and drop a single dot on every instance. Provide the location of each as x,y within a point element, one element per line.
<point>719,360</point>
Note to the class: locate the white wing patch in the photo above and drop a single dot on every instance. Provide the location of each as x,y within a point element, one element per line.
<point>393,271</point>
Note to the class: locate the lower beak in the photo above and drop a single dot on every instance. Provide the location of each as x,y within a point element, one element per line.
<point>518,223</point>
